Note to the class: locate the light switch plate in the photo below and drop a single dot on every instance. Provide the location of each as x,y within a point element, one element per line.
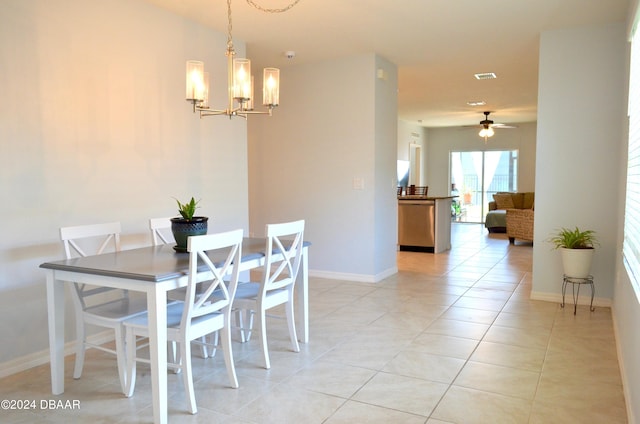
<point>358,183</point>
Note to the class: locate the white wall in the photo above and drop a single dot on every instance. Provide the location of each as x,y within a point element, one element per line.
<point>336,122</point>
<point>94,128</point>
<point>444,140</point>
<point>580,108</point>
<point>408,134</point>
<point>626,305</point>
<point>386,180</point>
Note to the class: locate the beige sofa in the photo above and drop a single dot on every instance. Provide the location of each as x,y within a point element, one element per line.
<point>512,213</point>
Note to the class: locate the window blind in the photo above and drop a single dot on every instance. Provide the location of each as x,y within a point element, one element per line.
<point>631,243</point>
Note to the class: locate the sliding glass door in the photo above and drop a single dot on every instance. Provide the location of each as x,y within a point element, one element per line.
<point>476,176</point>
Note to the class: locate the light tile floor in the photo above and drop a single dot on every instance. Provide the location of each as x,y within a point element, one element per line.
<point>451,338</point>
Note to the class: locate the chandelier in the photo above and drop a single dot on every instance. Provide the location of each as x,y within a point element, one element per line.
<point>240,99</point>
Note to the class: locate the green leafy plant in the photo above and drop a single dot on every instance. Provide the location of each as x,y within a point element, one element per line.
<point>187,210</point>
<point>574,239</point>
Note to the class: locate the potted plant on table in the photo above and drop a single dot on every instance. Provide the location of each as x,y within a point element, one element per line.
<point>187,224</point>
<point>576,247</point>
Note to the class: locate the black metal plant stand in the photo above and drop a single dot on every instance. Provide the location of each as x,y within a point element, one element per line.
<point>579,281</point>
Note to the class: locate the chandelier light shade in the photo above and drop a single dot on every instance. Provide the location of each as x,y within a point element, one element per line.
<point>271,87</point>
<point>241,80</point>
<point>195,81</point>
<point>240,101</point>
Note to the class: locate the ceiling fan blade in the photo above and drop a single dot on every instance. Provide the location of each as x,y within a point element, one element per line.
<point>488,123</point>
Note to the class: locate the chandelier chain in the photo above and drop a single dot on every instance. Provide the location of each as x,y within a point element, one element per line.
<point>256,6</point>
<point>280,10</point>
<point>229,27</point>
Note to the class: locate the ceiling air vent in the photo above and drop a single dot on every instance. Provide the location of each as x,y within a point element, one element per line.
<point>486,75</point>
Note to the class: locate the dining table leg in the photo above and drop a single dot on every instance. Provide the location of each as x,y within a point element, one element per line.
<point>157,312</point>
<point>55,309</point>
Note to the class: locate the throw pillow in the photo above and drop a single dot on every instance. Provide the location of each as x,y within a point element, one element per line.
<point>503,201</point>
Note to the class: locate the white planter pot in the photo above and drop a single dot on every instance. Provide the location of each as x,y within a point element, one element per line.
<point>576,262</point>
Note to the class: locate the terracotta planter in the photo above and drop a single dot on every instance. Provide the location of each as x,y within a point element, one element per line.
<point>576,262</point>
<point>182,229</point>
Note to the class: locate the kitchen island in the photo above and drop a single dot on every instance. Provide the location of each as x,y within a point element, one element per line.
<point>424,223</point>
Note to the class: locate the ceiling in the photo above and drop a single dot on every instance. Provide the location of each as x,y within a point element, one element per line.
<point>437,45</point>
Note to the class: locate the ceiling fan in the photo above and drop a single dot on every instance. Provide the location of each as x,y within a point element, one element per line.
<point>487,125</point>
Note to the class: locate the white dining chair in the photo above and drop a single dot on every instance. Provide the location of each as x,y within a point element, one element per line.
<point>198,315</point>
<point>100,306</point>
<point>285,242</point>
<point>161,231</point>
<point>161,234</point>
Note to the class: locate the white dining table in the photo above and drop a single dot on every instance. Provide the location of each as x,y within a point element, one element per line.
<point>152,270</point>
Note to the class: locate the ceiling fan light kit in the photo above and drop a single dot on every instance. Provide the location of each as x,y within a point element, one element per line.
<point>486,132</point>
<point>487,127</point>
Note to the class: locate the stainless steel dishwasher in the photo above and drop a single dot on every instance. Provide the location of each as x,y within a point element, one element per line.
<point>416,225</point>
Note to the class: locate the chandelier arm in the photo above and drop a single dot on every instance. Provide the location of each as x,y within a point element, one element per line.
<point>221,113</point>
<point>233,112</point>
<point>267,10</point>
<point>256,112</point>
<point>212,112</point>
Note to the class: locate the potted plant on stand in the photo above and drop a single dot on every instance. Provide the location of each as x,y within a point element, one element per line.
<point>187,224</point>
<point>576,247</point>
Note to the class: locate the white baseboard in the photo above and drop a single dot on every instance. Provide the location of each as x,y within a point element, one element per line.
<point>623,371</point>
<point>361,278</point>
<point>42,357</point>
<point>386,273</point>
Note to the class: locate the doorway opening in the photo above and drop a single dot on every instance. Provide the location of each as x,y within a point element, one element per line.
<point>415,164</point>
<point>476,176</point>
